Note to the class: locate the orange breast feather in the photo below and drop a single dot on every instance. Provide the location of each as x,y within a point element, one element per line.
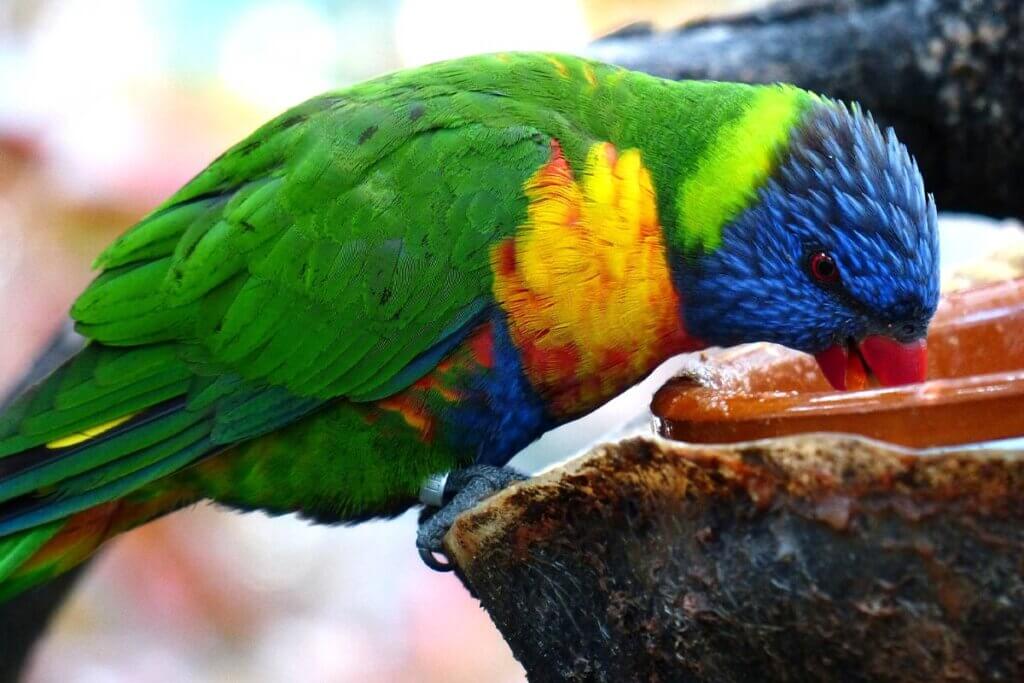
<point>585,282</point>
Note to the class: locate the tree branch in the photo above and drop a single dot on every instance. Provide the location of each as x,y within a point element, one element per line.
<point>806,559</point>
<point>946,74</point>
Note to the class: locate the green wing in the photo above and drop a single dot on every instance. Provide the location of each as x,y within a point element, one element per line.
<point>355,244</point>
<point>340,251</point>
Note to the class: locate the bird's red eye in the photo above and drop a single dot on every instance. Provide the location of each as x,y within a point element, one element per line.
<point>823,268</point>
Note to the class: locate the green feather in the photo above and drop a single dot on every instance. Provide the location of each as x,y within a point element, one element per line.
<point>16,549</point>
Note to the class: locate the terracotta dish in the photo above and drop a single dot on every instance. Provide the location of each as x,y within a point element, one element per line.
<point>975,390</point>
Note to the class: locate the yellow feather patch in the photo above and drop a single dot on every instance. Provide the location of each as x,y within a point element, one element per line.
<point>90,433</point>
<point>585,283</point>
<point>562,69</point>
<point>737,163</point>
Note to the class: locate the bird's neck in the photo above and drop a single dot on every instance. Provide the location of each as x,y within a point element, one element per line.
<point>707,145</point>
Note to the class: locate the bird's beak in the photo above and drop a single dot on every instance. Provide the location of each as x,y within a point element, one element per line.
<point>846,366</point>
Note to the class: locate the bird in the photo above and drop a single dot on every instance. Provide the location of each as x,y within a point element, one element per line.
<point>423,273</point>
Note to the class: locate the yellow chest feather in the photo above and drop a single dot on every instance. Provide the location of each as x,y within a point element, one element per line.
<point>585,283</point>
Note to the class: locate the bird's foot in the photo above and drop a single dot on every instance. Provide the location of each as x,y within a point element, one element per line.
<point>446,496</point>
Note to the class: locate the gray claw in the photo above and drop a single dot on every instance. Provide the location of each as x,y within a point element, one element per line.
<point>431,560</point>
<point>453,494</point>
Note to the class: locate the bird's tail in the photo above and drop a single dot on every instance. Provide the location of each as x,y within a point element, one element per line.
<point>87,453</point>
<point>44,552</point>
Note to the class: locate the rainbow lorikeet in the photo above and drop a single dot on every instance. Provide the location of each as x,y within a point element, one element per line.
<point>427,271</point>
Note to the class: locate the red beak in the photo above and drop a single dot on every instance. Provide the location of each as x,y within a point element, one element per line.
<point>891,361</point>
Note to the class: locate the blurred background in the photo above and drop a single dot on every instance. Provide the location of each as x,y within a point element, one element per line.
<point>106,108</point>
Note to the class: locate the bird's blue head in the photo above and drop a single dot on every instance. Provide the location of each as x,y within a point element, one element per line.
<point>837,255</point>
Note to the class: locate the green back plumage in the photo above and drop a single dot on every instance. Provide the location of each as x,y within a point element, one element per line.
<point>365,217</point>
<point>367,229</point>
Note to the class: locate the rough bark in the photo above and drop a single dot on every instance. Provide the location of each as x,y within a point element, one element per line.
<point>804,559</point>
<point>946,74</point>
<point>23,619</point>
